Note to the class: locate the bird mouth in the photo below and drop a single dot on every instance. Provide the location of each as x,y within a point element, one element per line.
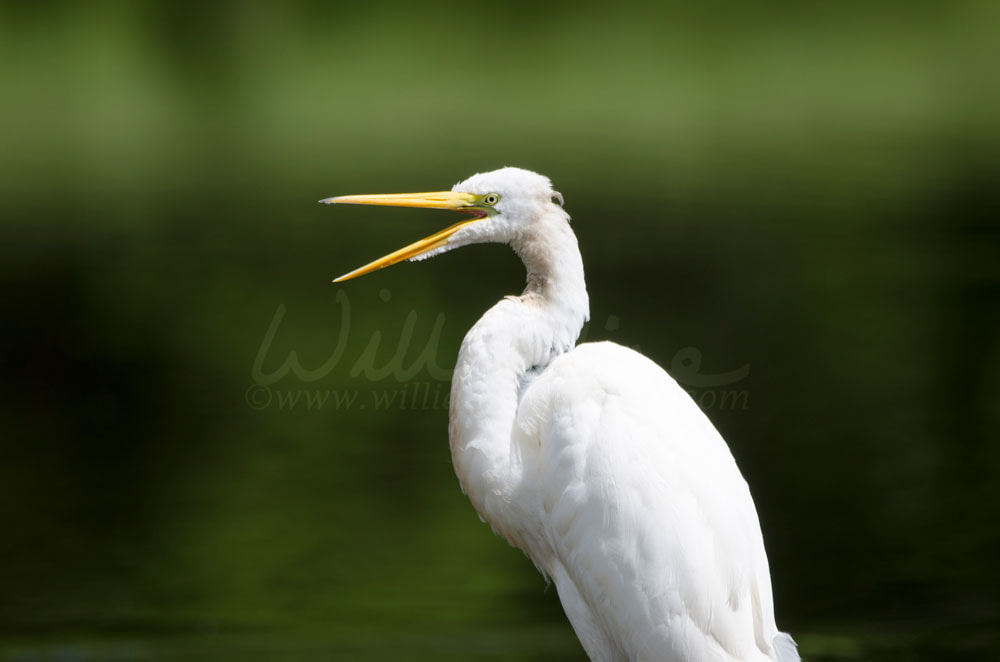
<point>456,201</point>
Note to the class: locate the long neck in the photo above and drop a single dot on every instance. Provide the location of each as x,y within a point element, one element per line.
<point>514,340</point>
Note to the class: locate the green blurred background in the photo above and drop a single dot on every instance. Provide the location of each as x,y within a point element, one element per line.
<point>793,208</point>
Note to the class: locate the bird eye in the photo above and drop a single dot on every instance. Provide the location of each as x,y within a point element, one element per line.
<point>491,198</point>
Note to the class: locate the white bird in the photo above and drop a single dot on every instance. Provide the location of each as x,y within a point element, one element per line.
<point>590,457</point>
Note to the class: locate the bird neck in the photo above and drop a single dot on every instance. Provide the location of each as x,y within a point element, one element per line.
<point>551,256</point>
<point>500,355</point>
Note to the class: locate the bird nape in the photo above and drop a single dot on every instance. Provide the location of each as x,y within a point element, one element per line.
<point>590,457</point>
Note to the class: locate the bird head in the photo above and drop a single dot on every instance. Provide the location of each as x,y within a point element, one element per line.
<point>502,204</point>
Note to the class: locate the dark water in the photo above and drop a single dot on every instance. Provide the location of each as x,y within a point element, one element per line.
<point>211,452</point>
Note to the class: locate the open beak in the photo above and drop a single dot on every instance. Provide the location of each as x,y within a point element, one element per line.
<point>464,202</point>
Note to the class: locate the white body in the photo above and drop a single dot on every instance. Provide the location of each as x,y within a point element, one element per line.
<point>604,471</point>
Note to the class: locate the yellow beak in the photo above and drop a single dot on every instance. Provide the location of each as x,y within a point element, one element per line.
<point>465,202</point>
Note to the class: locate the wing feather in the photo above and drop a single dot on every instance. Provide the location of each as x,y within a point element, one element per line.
<point>650,523</point>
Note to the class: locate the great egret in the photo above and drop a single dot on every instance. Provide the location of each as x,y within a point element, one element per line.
<point>590,458</point>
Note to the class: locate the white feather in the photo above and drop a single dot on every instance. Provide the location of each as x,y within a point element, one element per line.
<point>601,468</point>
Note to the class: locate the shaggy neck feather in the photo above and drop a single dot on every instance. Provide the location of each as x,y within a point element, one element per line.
<point>516,338</point>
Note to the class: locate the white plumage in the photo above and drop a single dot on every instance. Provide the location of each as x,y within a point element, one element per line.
<point>591,458</point>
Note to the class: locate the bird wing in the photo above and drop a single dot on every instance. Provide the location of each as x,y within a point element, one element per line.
<point>655,541</point>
